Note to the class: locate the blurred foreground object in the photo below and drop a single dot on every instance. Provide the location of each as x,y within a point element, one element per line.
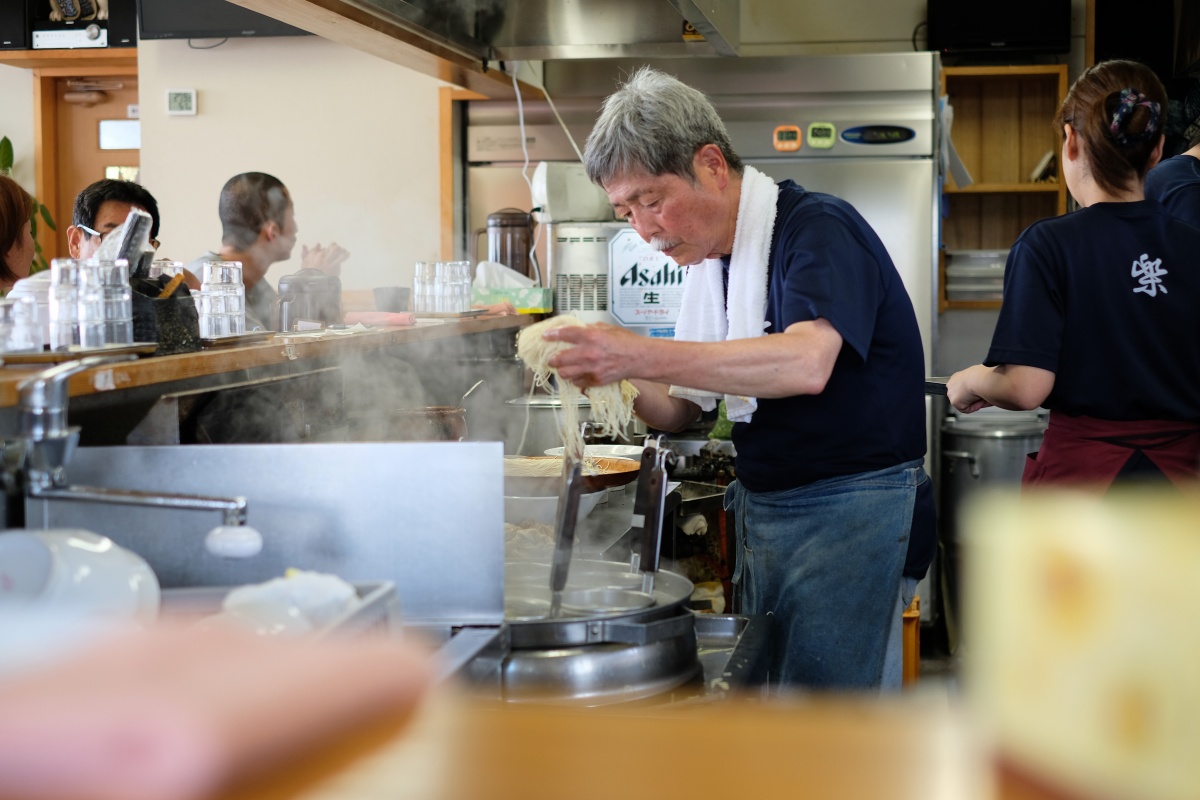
<point>1082,643</point>
<point>175,714</point>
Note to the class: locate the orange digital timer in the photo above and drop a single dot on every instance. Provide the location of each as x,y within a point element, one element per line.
<point>787,138</point>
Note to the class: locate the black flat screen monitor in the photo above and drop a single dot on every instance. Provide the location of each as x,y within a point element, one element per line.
<point>205,19</point>
<point>974,27</point>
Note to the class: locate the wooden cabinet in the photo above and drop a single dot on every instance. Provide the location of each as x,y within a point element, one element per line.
<point>1002,130</point>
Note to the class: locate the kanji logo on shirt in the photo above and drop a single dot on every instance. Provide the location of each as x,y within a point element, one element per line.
<point>1149,274</point>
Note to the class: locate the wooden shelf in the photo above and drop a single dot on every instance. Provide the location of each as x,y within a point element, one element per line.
<point>997,188</point>
<point>1001,131</point>
<point>105,57</point>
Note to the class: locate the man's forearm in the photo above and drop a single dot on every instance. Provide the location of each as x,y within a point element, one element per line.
<point>658,409</point>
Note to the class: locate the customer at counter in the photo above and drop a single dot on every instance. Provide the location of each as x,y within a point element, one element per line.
<point>1176,183</point>
<point>103,206</point>
<point>16,239</point>
<point>258,228</point>
<point>1098,322</point>
<point>794,312</point>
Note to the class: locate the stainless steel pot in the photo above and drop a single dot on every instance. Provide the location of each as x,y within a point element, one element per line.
<point>613,643</point>
<point>532,424</point>
<point>984,450</point>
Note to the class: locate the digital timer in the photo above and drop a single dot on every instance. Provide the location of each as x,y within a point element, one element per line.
<point>821,135</point>
<point>787,138</point>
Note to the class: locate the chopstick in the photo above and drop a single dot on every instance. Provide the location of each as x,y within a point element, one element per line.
<point>171,287</point>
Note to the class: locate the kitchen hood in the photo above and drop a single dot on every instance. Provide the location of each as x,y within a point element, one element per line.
<point>527,30</point>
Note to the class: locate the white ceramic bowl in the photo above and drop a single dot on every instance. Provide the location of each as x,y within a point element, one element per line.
<point>542,509</point>
<point>76,571</point>
<point>631,451</point>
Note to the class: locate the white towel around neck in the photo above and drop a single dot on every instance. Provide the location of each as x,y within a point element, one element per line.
<point>704,314</point>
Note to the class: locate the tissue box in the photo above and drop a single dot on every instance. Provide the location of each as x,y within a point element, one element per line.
<point>527,301</point>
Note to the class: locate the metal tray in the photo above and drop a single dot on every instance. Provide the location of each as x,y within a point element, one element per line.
<point>236,338</point>
<point>75,352</point>
<point>377,613</point>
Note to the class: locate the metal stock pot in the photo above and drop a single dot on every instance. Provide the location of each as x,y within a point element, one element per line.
<point>541,414</point>
<point>613,644</point>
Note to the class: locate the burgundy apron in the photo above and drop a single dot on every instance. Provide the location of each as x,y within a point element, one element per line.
<point>1086,450</point>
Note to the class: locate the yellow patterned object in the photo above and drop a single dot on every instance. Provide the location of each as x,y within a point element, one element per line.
<point>1082,637</point>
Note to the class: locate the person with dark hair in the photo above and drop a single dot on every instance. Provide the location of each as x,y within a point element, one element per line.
<point>258,228</point>
<point>1099,322</point>
<point>17,249</point>
<point>795,315</point>
<point>1176,182</point>
<point>102,207</point>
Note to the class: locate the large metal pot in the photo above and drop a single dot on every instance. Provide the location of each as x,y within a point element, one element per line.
<point>984,450</point>
<point>613,644</point>
<point>532,424</point>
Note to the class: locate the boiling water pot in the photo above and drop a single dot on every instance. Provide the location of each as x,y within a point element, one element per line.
<point>509,240</point>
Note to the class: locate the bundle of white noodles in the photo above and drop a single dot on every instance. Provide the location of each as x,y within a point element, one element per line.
<point>612,404</point>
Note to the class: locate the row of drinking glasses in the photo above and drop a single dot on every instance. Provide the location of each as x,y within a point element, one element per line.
<point>442,286</point>
<point>91,303</point>
<point>221,300</point>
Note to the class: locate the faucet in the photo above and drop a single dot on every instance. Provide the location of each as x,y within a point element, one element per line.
<point>48,444</point>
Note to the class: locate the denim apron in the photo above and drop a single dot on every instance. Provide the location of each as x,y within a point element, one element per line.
<point>825,560</point>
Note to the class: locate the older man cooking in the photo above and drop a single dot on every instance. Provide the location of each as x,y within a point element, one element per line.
<point>794,314</point>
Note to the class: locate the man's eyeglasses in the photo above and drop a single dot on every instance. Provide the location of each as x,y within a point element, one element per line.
<point>101,236</point>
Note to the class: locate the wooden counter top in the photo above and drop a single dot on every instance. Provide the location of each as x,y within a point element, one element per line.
<point>901,749</point>
<point>150,370</point>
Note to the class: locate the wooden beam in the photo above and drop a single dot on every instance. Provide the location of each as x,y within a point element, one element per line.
<point>1089,34</point>
<point>350,24</point>
<point>45,157</point>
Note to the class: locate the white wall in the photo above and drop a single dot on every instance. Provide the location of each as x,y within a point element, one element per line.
<point>16,121</point>
<point>353,137</point>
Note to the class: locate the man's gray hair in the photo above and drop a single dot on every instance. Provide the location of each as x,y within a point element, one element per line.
<point>654,123</point>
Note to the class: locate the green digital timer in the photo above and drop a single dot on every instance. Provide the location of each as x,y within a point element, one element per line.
<point>821,135</point>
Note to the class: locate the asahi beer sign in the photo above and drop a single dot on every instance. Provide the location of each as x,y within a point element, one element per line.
<point>645,286</point>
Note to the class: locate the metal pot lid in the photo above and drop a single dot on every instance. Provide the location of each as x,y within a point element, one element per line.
<point>605,607</point>
<point>995,430</point>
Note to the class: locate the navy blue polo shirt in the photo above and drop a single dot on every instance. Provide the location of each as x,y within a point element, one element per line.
<point>1108,299</point>
<point>1176,184</point>
<point>826,262</point>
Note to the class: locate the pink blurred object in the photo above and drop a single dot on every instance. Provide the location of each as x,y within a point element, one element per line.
<point>382,319</point>
<point>174,714</point>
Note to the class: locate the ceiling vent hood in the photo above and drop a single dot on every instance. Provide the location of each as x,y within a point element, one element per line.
<point>529,30</point>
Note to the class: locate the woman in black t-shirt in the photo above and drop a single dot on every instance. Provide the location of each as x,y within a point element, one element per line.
<point>1098,322</point>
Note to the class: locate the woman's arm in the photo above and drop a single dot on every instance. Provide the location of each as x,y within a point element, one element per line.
<point>1010,386</point>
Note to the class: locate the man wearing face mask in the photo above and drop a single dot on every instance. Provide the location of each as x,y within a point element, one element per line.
<point>101,208</point>
<point>258,228</point>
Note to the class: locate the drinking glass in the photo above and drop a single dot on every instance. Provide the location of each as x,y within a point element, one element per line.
<point>223,278</point>
<point>168,268</point>
<point>19,327</point>
<point>64,303</point>
<point>105,303</point>
<point>460,283</point>
<point>215,319</point>
<point>424,278</point>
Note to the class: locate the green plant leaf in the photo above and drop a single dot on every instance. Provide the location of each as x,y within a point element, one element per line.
<point>49,220</point>
<point>6,155</point>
